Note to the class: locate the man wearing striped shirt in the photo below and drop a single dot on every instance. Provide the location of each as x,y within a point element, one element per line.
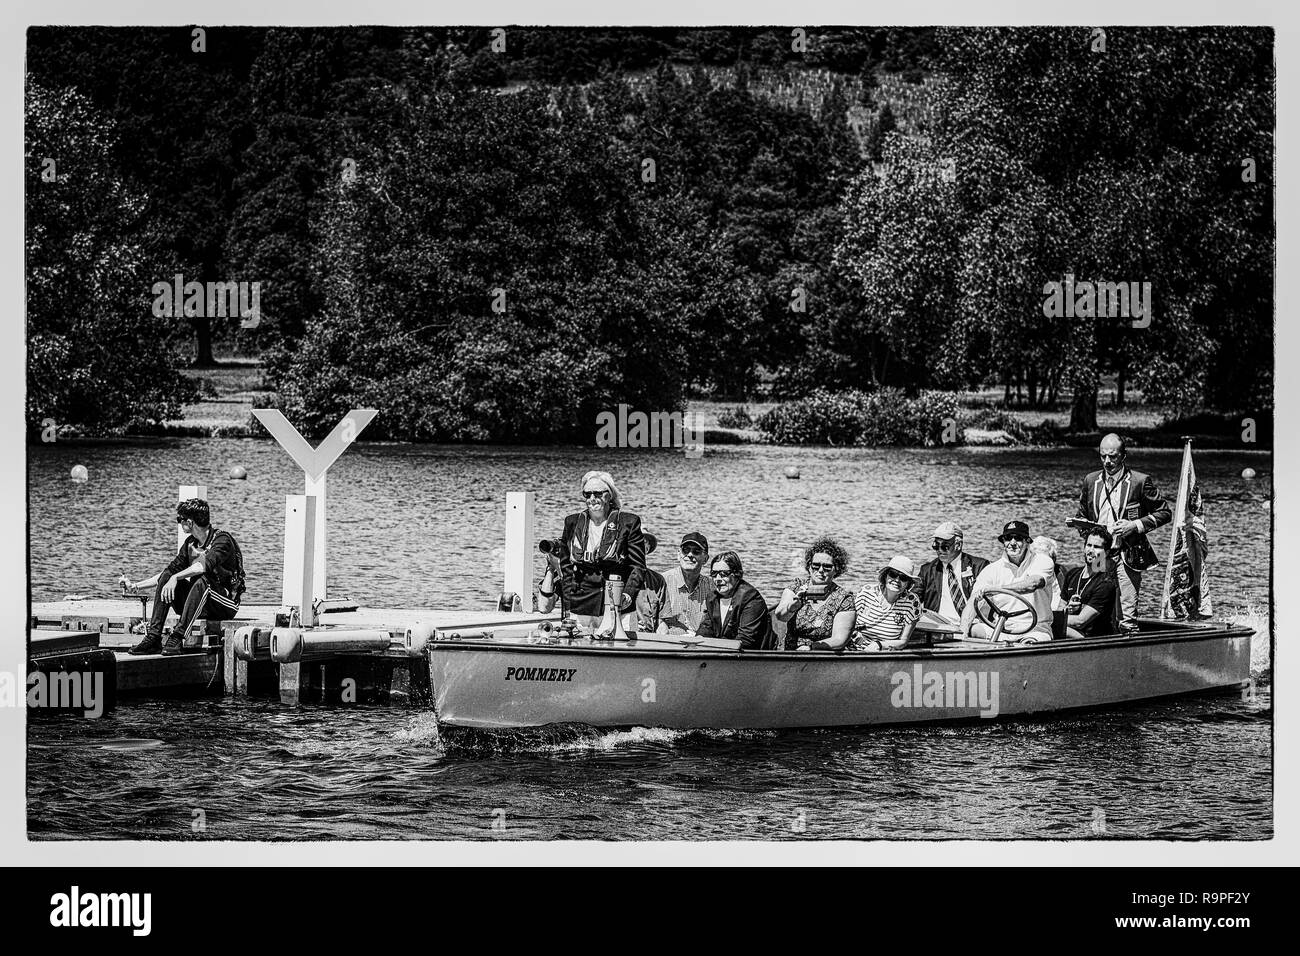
<point>888,611</point>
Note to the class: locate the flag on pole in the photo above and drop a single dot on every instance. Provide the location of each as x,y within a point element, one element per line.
<point>1187,591</point>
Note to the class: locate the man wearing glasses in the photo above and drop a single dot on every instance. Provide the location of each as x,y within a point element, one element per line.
<point>1021,573</point>
<point>1128,505</point>
<point>687,590</point>
<point>946,581</point>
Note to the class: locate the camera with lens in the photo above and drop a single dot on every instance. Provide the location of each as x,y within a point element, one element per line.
<point>550,546</point>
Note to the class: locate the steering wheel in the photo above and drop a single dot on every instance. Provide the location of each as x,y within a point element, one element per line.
<point>997,619</point>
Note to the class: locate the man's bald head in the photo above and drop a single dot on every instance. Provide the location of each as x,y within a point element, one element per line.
<point>1112,453</point>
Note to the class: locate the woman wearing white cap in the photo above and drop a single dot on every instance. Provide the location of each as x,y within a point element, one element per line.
<point>599,541</point>
<point>889,609</point>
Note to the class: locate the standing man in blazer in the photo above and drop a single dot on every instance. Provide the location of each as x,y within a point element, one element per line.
<point>736,611</point>
<point>946,581</point>
<point>1128,504</point>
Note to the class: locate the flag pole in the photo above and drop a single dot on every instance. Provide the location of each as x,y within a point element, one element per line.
<point>1177,528</point>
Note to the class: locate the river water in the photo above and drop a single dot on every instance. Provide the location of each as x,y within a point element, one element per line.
<point>414,525</point>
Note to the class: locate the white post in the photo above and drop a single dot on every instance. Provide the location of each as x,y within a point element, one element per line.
<point>316,487</point>
<point>187,492</point>
<point>299,556</point>
<point>521,507</point>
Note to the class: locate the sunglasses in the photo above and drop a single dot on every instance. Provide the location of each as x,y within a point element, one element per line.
<point>692,550</point>
<point>1014,537</point>
<point>896,576</point>
<point>944,545</point>
<point>819,566</point>
<point>722,574</point>
<point>593,494</point>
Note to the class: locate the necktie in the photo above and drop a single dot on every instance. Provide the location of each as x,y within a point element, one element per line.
<point>958,596</point>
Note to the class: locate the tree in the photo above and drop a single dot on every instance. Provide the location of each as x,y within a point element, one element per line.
<point>97,355</point>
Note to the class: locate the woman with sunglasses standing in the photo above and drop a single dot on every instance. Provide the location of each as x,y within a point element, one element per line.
<point>597,542</point>
<point>889,610</point>
<point>817,612</point>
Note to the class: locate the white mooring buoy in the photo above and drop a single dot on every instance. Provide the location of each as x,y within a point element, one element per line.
<point>1248,473</point>
<point>791,471</point>
<point>238,473</point>
<point>79,473</point>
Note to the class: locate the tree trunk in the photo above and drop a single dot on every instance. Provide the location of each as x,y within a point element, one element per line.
<point>203,339</point>
<point>1083,410</point>
<point>1119,387</point>
<point>1006,393</point>
<point>1031,385</point>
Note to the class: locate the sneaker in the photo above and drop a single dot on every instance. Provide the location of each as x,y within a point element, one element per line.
<point>174,645</point>
<point>150,645</point>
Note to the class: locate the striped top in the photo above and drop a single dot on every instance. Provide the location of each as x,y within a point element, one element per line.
<point>879,619</point>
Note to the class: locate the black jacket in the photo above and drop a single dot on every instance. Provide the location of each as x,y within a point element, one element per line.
<point>932,573</point>
<point>621,552</point>
<point>223,562</point>
<point>749,621</point>
<point>1137,499</point>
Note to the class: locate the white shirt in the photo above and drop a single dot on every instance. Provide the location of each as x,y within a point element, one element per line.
<point>724,606</point>
<point>1002,572</point>
<point>594,533</point>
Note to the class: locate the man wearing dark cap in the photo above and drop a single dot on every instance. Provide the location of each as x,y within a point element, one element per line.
<point>1129,506</point>
<point>946,582</point>
<point>687,591</point>
<point>1021,573</point>
<point>205,579</point>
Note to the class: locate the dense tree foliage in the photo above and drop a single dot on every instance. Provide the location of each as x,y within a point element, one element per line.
<point>497,243</point>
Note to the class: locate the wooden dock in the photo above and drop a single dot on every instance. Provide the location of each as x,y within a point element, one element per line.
<point>236,658</point>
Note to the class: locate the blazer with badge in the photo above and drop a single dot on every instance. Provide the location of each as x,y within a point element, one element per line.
<point>621,551</point>
<point>748,621</point>
<point>1137,499</point>
<point>933,574</point>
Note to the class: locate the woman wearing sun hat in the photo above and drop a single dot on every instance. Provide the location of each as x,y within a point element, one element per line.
<point>888,609</point>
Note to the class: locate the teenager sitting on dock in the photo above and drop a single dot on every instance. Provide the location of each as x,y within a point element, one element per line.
<point>737,612</point>
<point>888,610</point>
<point>597,542</point>
<point>817,612</point>
<point>205,579</point>
<point>1091,591</point>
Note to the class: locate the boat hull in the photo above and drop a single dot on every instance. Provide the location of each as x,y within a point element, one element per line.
<point>498,685</point>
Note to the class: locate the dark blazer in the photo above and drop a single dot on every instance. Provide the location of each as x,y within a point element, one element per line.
<point>932,573</point>
<point>621,552</point>
<point>1138,500</point>
<point>749,621</point>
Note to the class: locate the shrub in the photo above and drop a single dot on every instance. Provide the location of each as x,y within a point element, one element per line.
<point>736,417</point>
<point>884,417</point>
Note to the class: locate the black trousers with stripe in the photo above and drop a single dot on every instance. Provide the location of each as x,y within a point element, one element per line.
<point>194,598</point>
